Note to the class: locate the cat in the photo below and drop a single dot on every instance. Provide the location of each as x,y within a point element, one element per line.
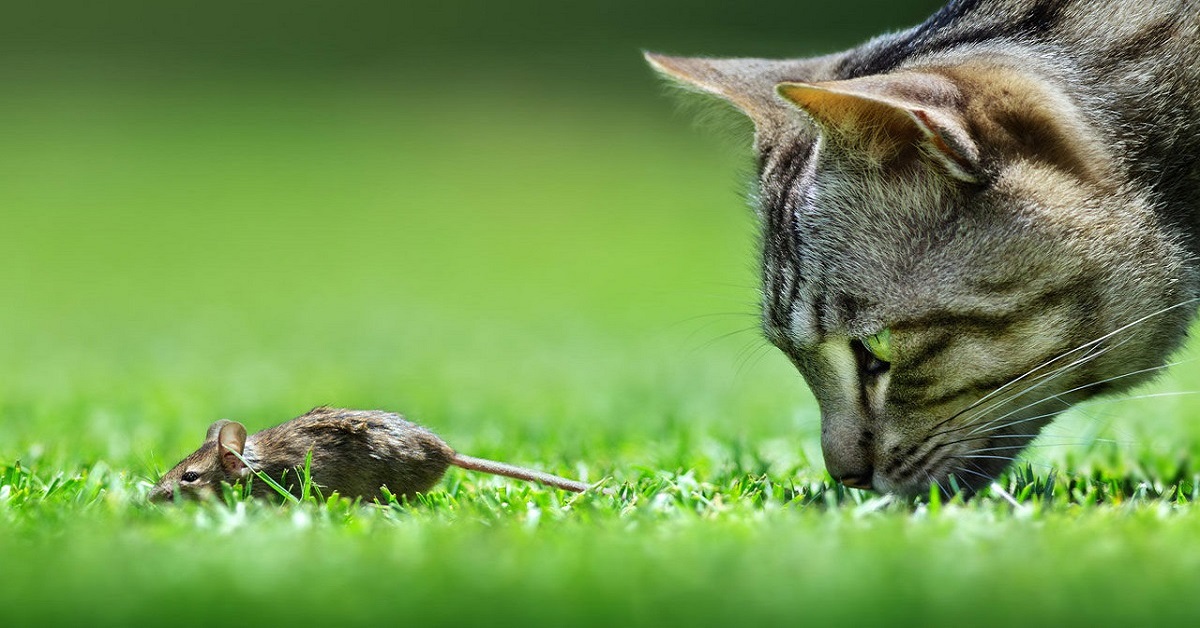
<point>971,225</point>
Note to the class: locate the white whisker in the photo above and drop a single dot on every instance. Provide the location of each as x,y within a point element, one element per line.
<point>1077,389</point>
<point>985,456</point>
<point>1044,377</point>
<point>982,475</point>
<point>1036,383</point>
<point>1022,447</point>
<point>999,490</point>
<point>935,481</point>
<point>1106,401</point>
<point>1049,377</point>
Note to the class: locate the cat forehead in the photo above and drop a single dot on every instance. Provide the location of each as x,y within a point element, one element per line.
<point>850,209</point>
<point>846,253</point>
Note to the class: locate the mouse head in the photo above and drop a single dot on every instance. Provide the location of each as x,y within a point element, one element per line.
<point>199,475</point>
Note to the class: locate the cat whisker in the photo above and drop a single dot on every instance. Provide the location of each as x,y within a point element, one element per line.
<point>713,341</point>
<point>1007,460</point>
<point>695,325</point>
<point>1027,437</point>
<point>985,457</point>
<point>1021,447</point>
<point>989,433</point>
<point>974,418</point>
<point>935,481</point>
<point>1056,396</point>
<point>1044,377</point>
<point>755,356</point>
<point>748,348</point>
<point>975,404</point>
<point>982,454</point>
<point>1088,409</point>
<point>1038,382</point>
<point>1085,346</point>
<point>1130,398</point>
<point>1047,378</point>
<point>1079,388</point>
<point>712,315</point>
<point>982,475</point>
<point>1045,435</point>
<point>999,490</point>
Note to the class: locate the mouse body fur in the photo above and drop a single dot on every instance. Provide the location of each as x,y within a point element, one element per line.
<point>354,452</point>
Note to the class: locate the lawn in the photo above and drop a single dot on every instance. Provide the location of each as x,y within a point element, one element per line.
<point>566,283</point>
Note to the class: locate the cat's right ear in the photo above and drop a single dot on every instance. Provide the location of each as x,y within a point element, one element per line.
<point>882,115</point>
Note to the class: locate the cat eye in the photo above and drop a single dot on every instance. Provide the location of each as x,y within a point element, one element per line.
<point>880,345</point>
<point>190,476</point>
<point>874,353</point>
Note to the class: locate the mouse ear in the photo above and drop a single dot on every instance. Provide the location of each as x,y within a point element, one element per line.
<point>231,438</point>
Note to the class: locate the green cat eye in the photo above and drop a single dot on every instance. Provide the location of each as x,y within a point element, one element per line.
<point>880,345</point>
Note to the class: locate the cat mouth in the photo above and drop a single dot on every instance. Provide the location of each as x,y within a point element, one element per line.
<point>963,472</point>
<point>947,479</point>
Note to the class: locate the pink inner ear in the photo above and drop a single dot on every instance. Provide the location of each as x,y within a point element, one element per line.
<point>231,442</point>
<point>232,464</point>
<point>946,147</point>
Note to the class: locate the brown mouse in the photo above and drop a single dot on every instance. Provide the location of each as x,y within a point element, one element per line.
<point>354,452</point>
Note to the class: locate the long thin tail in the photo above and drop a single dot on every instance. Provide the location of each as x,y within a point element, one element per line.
<point>520,473</point>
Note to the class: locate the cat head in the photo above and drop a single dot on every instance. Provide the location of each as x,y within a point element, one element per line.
<point>951,256</point>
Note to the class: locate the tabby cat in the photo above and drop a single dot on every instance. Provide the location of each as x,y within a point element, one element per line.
<point>971,225</point>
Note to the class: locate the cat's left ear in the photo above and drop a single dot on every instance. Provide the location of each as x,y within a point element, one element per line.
<point>886,114</point>
<point>746,83</point>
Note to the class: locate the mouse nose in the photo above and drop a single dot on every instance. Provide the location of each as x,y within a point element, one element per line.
<point>161,495</point>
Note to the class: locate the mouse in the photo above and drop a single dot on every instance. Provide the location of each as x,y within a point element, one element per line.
<point>354,453</point>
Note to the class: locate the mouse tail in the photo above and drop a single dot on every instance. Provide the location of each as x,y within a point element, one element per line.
<point>520,473</point>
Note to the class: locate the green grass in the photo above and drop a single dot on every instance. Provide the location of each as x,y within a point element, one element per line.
<point>566,284</point>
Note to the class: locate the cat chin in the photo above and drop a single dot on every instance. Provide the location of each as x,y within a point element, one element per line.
<point>906,490</point>
<point>884,486</point>
<point>941,477</point>
<point>910,490</point>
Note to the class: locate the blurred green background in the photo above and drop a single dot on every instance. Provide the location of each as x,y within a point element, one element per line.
<point>246,209</point>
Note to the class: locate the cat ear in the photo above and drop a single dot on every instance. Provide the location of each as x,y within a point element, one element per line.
<point>888,114</point>
<point>748,84</point>
<point>231,438</point>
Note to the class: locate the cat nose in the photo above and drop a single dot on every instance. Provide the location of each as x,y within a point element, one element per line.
<point>849,454</point>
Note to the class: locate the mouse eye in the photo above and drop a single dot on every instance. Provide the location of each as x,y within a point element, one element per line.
<point>190,476</point>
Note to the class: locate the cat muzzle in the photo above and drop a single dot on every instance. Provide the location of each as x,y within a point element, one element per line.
<point>855,481</point>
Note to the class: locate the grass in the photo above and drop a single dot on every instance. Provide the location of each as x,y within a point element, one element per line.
<point>566,284</point>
